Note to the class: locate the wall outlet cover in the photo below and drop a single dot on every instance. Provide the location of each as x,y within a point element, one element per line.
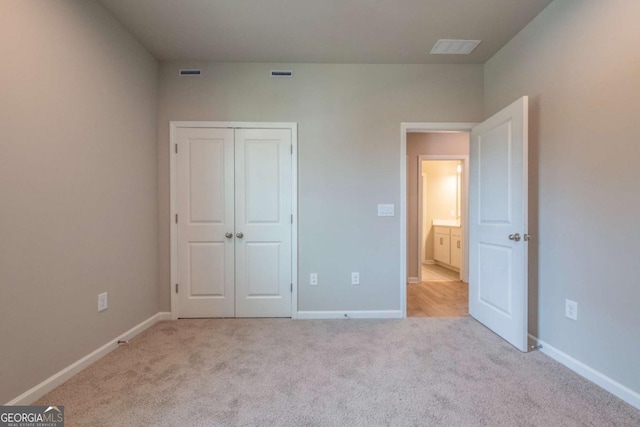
<point>355,278</point>
<point>103,301</point>
<point>313,279</point>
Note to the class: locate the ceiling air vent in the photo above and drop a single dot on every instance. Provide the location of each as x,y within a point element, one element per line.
<point>454,47</point>
<point>190,72</point>
<point>281,73</point>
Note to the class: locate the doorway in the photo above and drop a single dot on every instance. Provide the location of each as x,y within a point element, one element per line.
<point>410,167</point>
<point>498,201</point>
<point>439,212</point>
<point>436,214</point>
<point>233,199</point>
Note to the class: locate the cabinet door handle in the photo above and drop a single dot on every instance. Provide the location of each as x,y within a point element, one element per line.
<point>458,243</point>
<point>441,240</point>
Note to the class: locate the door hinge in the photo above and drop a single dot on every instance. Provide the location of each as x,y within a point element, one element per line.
<point>176,148</point>
<point>292,288</point>
<point>176,218</point>
<point>176,288</point>
<point>291,218</point>
<point>291,149</point>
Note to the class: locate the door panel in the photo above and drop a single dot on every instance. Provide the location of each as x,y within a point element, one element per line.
<point>442,250</point>
<point>456,251</point>
<point>498,287</point>
<point>261,181</point>
<point>494,178</point>
<point>206,181</point>
<point>207,269</point>
<point>263,278</point>
<point>263,202</point>
<point>205,209</point>
<point>494,278</point>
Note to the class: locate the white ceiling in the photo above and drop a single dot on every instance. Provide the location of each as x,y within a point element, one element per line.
<point>330,31</point>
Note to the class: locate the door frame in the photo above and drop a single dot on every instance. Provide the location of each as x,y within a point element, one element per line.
<point>406,127</point>
<point>173,188</point>
<point>464,199</point>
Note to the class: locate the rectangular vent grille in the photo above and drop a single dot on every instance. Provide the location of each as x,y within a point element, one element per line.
<point>281,73</point>
<point>454,47</point>
<point>190,72</point>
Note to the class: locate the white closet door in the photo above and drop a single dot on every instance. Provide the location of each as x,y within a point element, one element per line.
<point>263,166</point>
<point>205,174</point>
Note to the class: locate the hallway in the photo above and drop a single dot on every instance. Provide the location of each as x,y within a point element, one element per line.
<point>440,294</point>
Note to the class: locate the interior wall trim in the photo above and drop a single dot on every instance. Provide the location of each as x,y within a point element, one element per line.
<point>612,386</point>
<point>358,314</point>
<point>35,393</point>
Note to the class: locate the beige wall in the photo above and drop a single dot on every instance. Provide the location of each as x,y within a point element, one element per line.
<point>349,157</point>
<point>78,186</point>
<point>580,64</point>
<point>419,144</point>
<point>440,198</point>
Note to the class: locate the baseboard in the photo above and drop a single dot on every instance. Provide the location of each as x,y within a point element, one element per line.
<point>447,266</point>
<point>359,314</point>
<point>612,386</point>
<point>413,280</point>
<point>60,377</point>
<point>428,262</point>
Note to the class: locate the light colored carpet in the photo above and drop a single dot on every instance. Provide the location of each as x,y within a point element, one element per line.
<point>278,372</point>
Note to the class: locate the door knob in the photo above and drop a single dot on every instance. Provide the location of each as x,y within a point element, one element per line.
<point>239,235</point>
<point>228,235</point>
<point>515,237</point>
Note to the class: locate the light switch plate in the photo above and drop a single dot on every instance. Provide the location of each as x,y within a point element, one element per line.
<point>386,210</point>
<point>571,309</point>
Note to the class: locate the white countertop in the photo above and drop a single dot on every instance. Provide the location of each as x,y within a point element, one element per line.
<point>446,222</point>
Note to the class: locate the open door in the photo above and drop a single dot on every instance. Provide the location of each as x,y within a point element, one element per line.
<point>498,286</point>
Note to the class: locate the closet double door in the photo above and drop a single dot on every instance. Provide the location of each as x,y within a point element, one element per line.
<point>234,222</point>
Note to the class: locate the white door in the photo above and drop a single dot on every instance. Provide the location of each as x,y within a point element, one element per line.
<point>205,176</point>
<point>498,223</point>
<point>234,232</point>
<point>263,222</point>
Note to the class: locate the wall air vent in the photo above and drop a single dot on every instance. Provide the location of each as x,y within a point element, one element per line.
<point>190,72</point>
<point>454,47</point>
<point>281,73</point>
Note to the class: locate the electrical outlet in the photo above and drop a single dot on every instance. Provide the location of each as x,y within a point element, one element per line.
<point>103,302</point>
<point>313,279</point>
<point>355,278</point>
<point>571,309</point>
<point>386,210</point>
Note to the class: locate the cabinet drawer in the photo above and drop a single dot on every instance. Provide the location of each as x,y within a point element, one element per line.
<point>441,230</point>
<point>456,231</point>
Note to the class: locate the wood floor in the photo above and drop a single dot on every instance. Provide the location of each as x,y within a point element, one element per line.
<point>438,298</point>
<point>431,272</point>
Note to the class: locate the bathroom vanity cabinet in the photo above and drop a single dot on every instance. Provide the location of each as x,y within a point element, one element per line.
<point>448,246</point>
